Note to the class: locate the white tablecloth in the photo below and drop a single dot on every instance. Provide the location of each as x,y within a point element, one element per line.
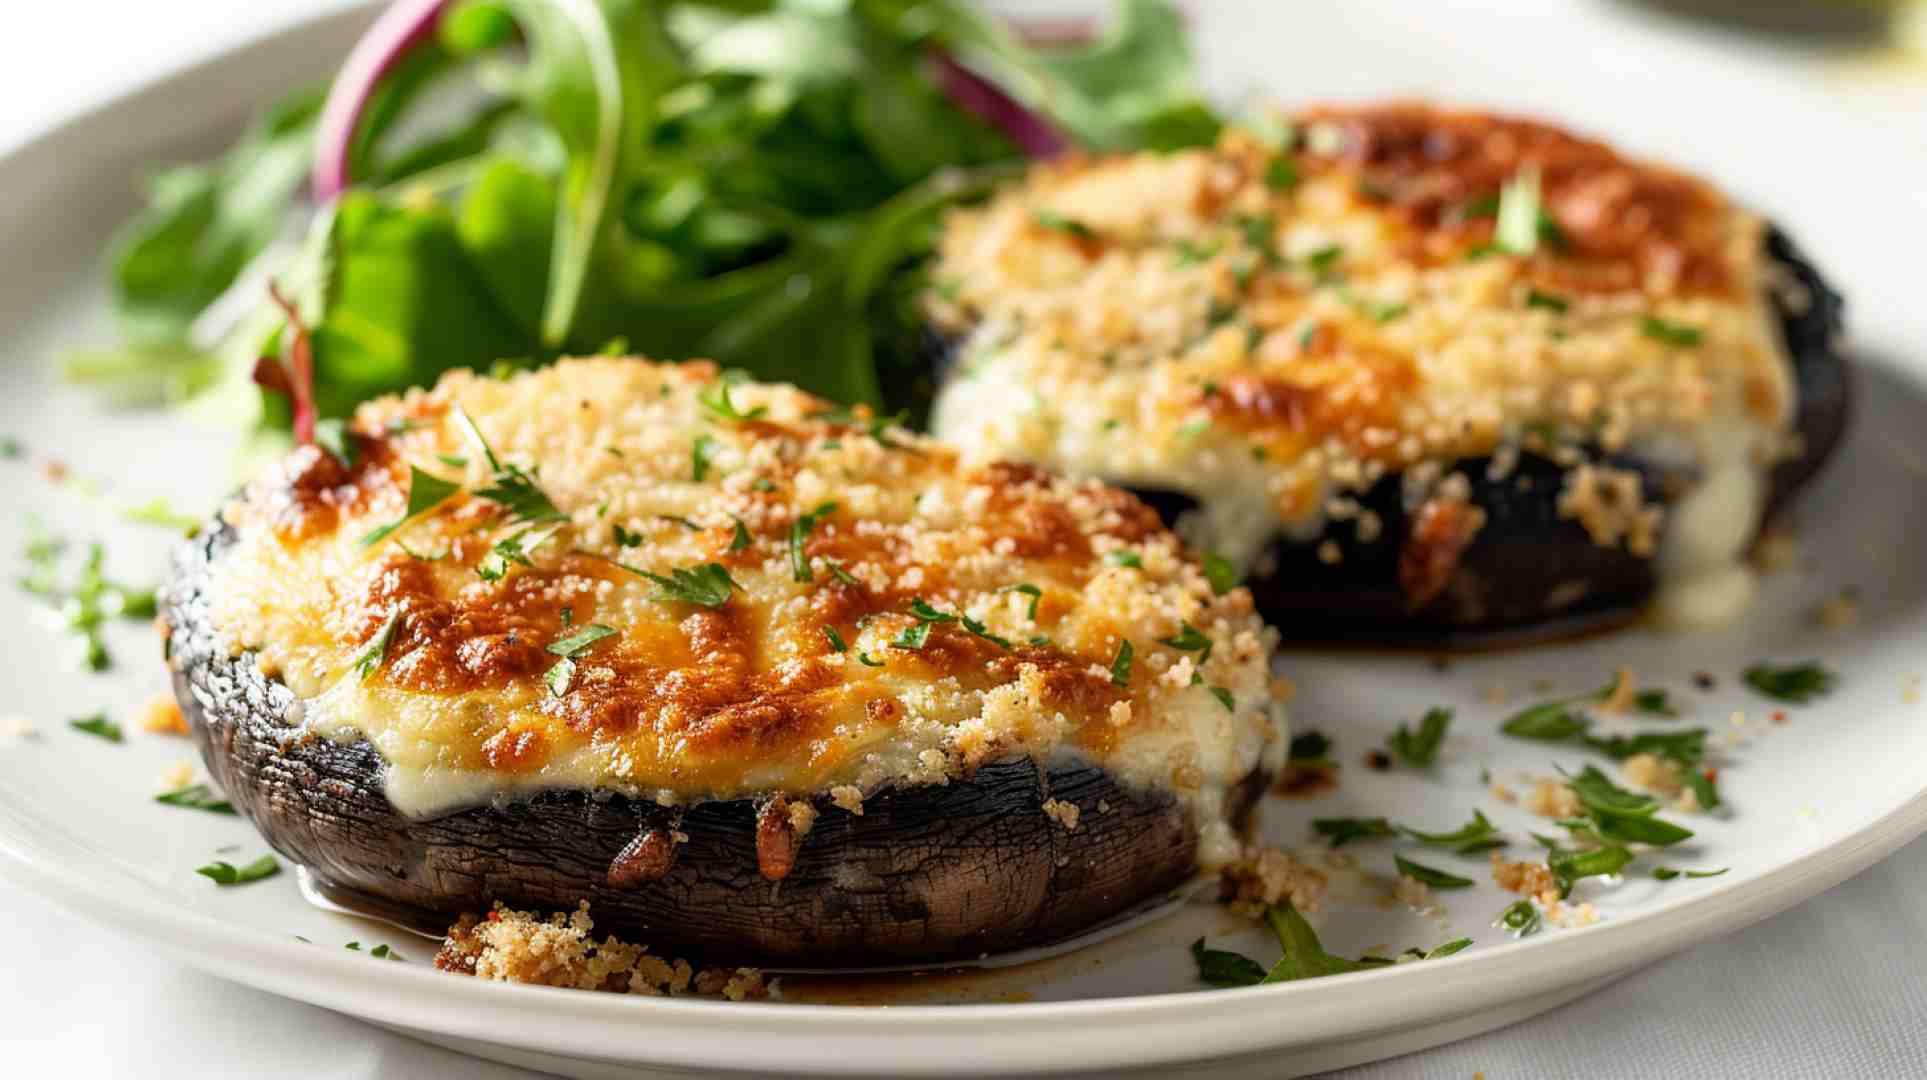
<point>1831,989</point>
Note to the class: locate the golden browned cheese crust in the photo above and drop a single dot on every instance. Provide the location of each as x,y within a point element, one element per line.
<point>871,630</point>
<point>1271,328</point>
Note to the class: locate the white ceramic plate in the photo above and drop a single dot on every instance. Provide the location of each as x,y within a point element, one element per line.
<point>1811,801</point>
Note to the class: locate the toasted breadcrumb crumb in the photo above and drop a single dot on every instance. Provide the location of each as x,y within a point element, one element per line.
<point>1413,893</point>
<point>1776,551</point>
<point>1533,879</point>
<point>178,775</point>
<point>1265,875</point>
<point>1838,612</point>
<point>1064,813</point>
<point>1503,793</point>
<point>1653,773</point>
<point>848,797</point>
<point>1553,799</point>
<point>802,818</point>
<point>523,947</point>
<point>1625,692</point>
<point>162,716</point>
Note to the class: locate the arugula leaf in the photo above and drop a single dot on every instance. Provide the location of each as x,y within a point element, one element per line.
<point>203,224</point>
<point>223,873</point>
<point>1437,879</point>
<point>1795,683</point>
<point>426,491</point>
<point>196,797</point>
<point>1420,748</point>
<point>98,726</point>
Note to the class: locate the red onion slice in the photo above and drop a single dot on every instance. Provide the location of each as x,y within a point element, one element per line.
<point>398,29</point>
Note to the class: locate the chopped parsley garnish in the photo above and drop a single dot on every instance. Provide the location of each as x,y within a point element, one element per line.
<point>10,448</point>
<point>510,485</point>
<point>332,435</point>
<point>1124,557</point>
<point>839,573</point>
<point>740,538</point>
<point>678,519</point>
<point>800,530</point>
<point>1312,749</point>
<point>707,585</point>
<point>568,648</point>
<point>1477,835</point>
<point>1224,698</point>
<point>912,637</point>
<point>1523,223</point>
<point>1121,664</point>
<point>1419,748</point>
<point>1669,332</point>
<point>196,797</point>
<point>89,600</point>
<point>1303,956</point>
<point>1521,917</point>
<point>98,726</point>
<point>1031,591</point>
<point>699,456</point>
<point>1537,299</point>
<point>1437,879</point>
<point>1569,867</point>
<point>1324,260</point>
<point>718,405</point>
<point>1189,639</point>
<point>762,483</point>
<point>1281,174</point>
<point>864,658</point>
<point>514,549</point>
<point>425,492</point>
<point>835,639</point>
<point>1190,254</point>
<point>1260,234</point>
<point>1563,721</point>
<point>419,556</point>
<point>1617,816</point>
<point>455,461</point>
<point>1795,683</point>
<point>222,873</point>
<point>1051,219</point>
<point>1342,831</point>
<point>1667,873</point>
<point>159,513</point>
<point>1223,576</point>
<point>371,657</point>
<point>625,538</point>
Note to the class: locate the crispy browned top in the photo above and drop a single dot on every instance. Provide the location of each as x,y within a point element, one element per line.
<point>839,652</point>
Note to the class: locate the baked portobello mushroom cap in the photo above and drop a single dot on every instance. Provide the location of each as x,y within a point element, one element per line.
<point>1432,378</point>
<point>735,779</point>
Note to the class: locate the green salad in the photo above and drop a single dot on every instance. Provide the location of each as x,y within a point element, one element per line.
<point>508,181</point>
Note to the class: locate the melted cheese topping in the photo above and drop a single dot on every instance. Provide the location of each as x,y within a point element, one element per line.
<point>685,701</point>
<point>1268,331</point>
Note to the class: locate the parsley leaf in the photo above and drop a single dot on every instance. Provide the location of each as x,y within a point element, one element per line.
<point>1437,879</point>
<point>517,549</point>
<point>1310,748</point>
<point>1031,591</point>
<point>1667,873</point>
<point>718,405</point>
<point>1304,957</point>
<point>222,873</point>
<point>866,661</point>
<point>800,530</point>
<point>1521,917</point>
<point>1479,834</point>
<point>1221,968</point>
<point>1795,683</point>
<point>1537,299</point>
<point>98,726</point>
<point>1051,219</point>
<point>568,648</point>
<point>1121,664</point>
<point>740,538</point>
<point>333,435</point>
<point>1420,748</point>
<point>1124,557</point>
<point>625,538</point>
<point>1223,576</point>
<point>1189,639</point>
<point>1569,867</point>
<point>425,492</point>
<point>1669,332</point>
<point>1342,831</point>
<point>377,651</point>
<point>699,456</point>
<point>835,639</point>
<point>196,797</point>
<point>707,585</point>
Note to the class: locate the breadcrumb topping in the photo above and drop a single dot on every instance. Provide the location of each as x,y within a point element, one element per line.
<point>560,950</point>
<point>1265,875</point>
